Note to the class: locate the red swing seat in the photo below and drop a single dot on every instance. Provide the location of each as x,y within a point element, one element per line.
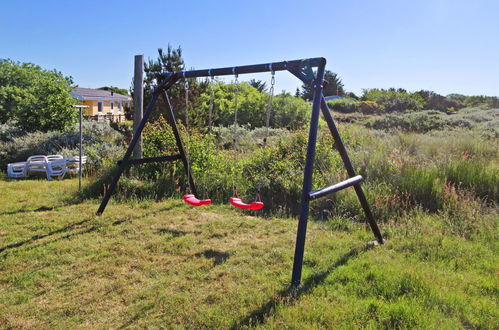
<point>237,202</point>
<point>192,200</point>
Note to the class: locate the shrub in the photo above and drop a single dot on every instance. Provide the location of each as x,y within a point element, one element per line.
<point>420,122</point>
<point>290,112</point>
<point>342,105</point>
<point>9,130</point>
<point>367,107</point>
<point>393,100</point>
<point>100,142</point>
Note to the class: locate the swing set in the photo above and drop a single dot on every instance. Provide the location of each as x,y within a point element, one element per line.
<point>303,70</point>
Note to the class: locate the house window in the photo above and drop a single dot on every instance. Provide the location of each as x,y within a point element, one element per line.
<point>112,105</point>
<point>100,107</point>
<point>119,107</point>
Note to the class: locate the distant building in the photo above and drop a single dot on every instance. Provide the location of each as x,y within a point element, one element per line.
<point>102,104</point>
<point>333,97</point>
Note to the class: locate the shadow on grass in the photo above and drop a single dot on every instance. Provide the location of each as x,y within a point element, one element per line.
<point>218,257</point>
<point>72,226</point>
<point>173,232</point>
<point>289,295</point>
<point>38,237</point>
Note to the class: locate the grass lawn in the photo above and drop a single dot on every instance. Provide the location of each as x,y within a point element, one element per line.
<point>164,264</point>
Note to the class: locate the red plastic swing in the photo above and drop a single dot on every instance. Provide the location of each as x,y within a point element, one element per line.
<point>237,202</point>
<point>192,200</point>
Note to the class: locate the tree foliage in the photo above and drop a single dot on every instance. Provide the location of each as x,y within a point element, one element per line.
<point>394,100</point>
<point>334,86</point>
<point>251,105</point>
<point>258,84</point>
<point>35,99</point>
<point>121,91</point>
<point>170,61</point>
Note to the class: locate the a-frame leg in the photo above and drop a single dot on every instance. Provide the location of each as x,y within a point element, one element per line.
<point>350,170</point>
<point>125,162</point>
<point>170,117</point>
<point>307,177</point>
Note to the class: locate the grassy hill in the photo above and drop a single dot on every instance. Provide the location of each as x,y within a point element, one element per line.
<point>164,264</point>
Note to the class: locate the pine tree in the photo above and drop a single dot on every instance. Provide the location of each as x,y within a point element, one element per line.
<point>169,61</point>
<point>334,86</point>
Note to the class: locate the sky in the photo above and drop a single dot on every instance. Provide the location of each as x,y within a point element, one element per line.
<point>448,46</point>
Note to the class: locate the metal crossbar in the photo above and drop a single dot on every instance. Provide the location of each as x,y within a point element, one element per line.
<point>151,160</point>
<point>335,187</point>
<point>303,70</point>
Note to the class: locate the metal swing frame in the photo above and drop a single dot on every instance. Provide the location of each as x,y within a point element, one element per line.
<point>303,70</point>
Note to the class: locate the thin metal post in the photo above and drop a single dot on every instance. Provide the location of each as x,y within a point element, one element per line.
<point>81,150</point>
<point>307,176</point>
<point>350,170</point>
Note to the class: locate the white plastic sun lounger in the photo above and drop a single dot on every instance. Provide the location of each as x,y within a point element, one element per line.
<point>37,163</point>
<point>16,170</point>
<point>73,164</point>
<point>56,168</point>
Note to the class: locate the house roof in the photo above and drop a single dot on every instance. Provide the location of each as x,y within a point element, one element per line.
<point>98,95</point>
<point>333,97</point>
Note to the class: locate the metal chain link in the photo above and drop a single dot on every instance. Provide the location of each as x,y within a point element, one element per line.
<point>269,108</point>
<point>234,137</point>
<point>210,110</point>
<point>186,88</point>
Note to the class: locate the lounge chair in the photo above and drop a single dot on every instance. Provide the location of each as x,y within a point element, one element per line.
<point>16,170</point>
<point>37,163</point>
<point>73,164</point>
<point>56,168</point>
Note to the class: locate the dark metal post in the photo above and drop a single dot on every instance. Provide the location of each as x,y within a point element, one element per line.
<point>138,101</point>
<point>350,170</point>
<point>119,170</point>
<point>171,120</point>
<point>81,150</point>
<point>307,176</point>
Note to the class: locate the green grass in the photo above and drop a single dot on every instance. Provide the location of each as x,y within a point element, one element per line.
<point>164,264</point>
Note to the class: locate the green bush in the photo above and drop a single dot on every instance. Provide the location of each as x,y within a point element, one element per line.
<point>393,100</point>
<point>419,122</point>
<point>367,107</point>
<point>290,112</point>
<point>342,105</point>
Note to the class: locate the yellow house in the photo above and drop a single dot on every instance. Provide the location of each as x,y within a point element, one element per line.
<point>102,104</point>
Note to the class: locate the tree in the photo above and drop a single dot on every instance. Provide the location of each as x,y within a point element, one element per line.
<point>170,61</point>
<point>35,99</point>
<point>251,106</point>
<point>121,91</point>
<point>258,84</point>
<point>334,86</point>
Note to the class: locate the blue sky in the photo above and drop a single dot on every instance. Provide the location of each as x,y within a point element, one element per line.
<point>442,45</point>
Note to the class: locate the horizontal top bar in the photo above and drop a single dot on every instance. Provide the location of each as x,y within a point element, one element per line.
<point>255,68</point>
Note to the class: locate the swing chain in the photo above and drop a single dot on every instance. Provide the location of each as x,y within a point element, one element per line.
<point>234,137</point>
<point>210,109</point>
<point>186,88</point>
<point>269,108</point>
